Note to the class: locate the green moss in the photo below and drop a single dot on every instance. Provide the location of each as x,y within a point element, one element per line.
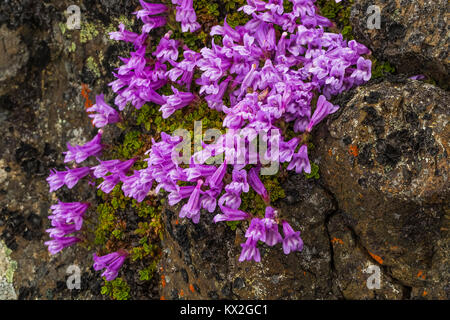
<point>73,47</point>
<point>63,27</point>
<point>314,172</point>
<point>338,13</point>
<point>106,223</point>
<point>147,273</point>
<point>117,289</point>
<point>254,204</point>
<point>88,32</point>
<point>131,145</point>
<point>92,65</point>
<point>233,224</point>
<point>381,68</point>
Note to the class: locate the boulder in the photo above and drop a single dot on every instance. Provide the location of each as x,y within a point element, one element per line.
<point>384,157</point>
<point>413,35</point>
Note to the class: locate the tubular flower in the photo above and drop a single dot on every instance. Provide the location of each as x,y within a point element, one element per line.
<point>104,113</point>
<point>69,178</point>
<point>292,241</point>
<point>111,263</point>
<point>81,153</point>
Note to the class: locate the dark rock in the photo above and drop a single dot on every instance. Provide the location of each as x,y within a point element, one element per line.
<point>214,250</point>
<point>392,193</point>
<point>413,35</point>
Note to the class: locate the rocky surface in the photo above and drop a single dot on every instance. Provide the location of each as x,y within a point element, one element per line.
<point>42,68</point>
<point>201,261</point>
<point>413,35</point>
<point>381,201</point>
<point>385,158</point>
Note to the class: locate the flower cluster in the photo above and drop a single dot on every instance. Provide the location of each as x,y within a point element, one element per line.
<point>279,68</point>
<point>66,219</point>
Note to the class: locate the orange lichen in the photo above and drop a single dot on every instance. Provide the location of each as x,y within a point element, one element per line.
<point>420,274</point>
<point>181,293</point>
<point>85,93</point>
<point>353,150</point>
<point>424,293</point>
<point>162,298</point>
<point>191,287</point>
<point>337,240</point>
<point>87,101</point>
<point>163,281</point>
<point>377,258</point>
<point>330,152</point>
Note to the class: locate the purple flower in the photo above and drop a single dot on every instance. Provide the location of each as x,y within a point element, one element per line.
<point>138,185</point>
<point>128,36</point>
<point>230,214</point>
<point>230,200</point>
<point>175,102</point>
<point>257,185</point>
<point>56,179</point>
<point>151,23</point>
<point>323,109</point>
<point>69,178</point>
<point>65,213</point>
<point>292,241</point>
<point>81,153</point>
<point>111,263</point>
<point>239,183</point>
<point>209,199</point>
<point>216,178</point>
<point>418,77</point>
<point>300,161</point>
<point>150,9</point>
<point>109,182</point>
<point>167,49</point>
<point>112,166</point>
<point>61,230</point>
<point>105,114</point>
<point>272,236</point>
<point>363,73</point>
<point>256,231</point>
<point>191,209</point>
<point>250,251</point>
<point>74,175</point>
<point>186,15</point>
<point>58,244</point>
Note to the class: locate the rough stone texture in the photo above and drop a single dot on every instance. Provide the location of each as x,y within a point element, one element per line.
<point>7,268</point>
<point>201,261</point>
<point>352,266</point>
<point>13,55</point>
<point>381,199</point>
<point>385,158</point>
<point>41,109</point>
<point>413,35</point>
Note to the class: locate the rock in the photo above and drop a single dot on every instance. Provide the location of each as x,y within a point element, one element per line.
<point>209,254</point>
<point>413,35</point>
<point>355,270</point>
<point>41,109</point>
<point>7,269</point>
<point>385,159</point>
<point>14,56</point>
